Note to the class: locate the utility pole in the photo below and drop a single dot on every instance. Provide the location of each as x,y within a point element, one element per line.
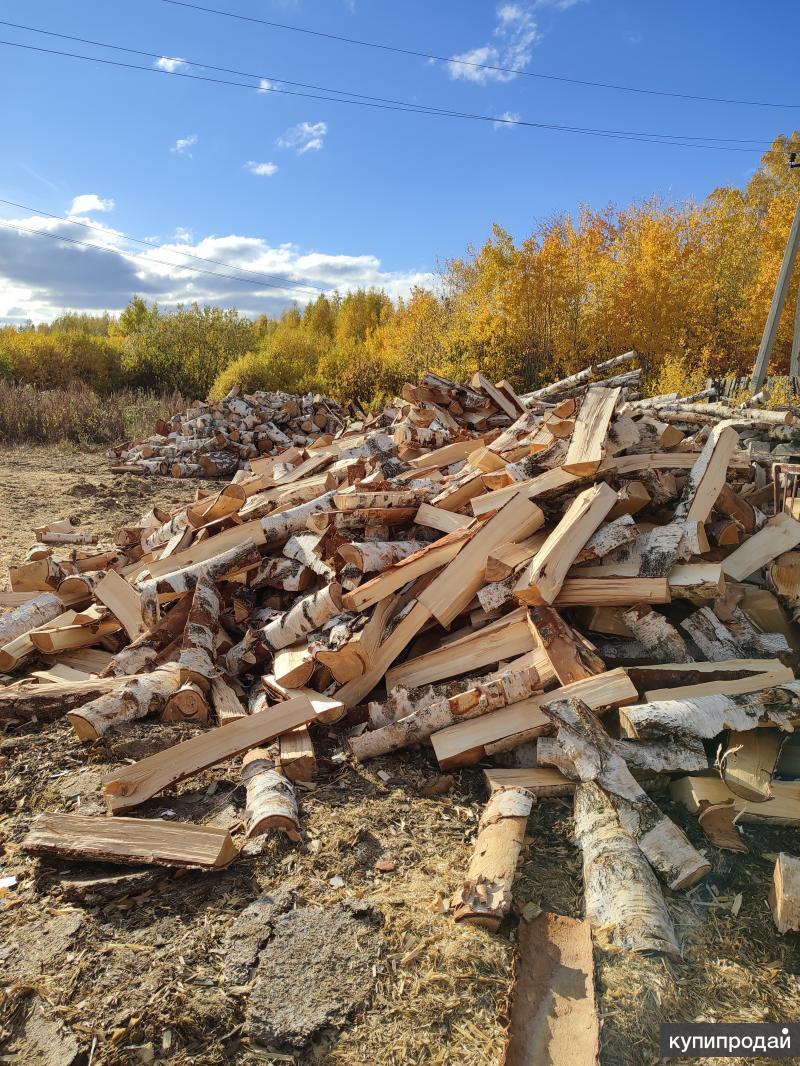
<point>794,362</point>
<point>778,298</point>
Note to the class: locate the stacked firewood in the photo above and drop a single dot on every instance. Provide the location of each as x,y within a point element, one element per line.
<point>217,439</point>
<point>565,588</point>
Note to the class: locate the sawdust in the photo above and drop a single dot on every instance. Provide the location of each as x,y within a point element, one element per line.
<point>144,962</point>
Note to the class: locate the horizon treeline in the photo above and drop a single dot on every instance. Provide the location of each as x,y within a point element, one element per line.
<point>687,285</point>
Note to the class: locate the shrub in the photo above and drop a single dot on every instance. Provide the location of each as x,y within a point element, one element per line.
<point>52,360</point>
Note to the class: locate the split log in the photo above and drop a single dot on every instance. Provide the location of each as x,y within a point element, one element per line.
<point>661,639</point>
<point>570,655</point>
<point>431,716</point>
<point>595,758</point>
<point>587,446</point>
<point>296,754</point>
<point>737,507</point>
<point>131,785</point>
<point>289,575</point>
<point>144,651</point>
<point>378,554</point>
<point>784,896</point>
<point>304,617</point>
<point>271,799</point>
<point>621,893</point>
<point>548,568</point>
<point>36,612</point>
<point>749,763</point>
<point>226,702</point>
<point>131,840</point>
<point>779,534</point>
<point>718,822</point>
<point>197,662</point>
<point>137,697</point>
<point>487,894</point>
<point>122,600</point>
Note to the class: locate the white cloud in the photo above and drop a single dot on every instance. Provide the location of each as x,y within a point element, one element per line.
<point>262,170</point>
<point>183,235</point>
<point>169,63</point>
<point>40,277</point>
<point>265,85</point>
<point>305,137</point>
<point>506,120</point>
<point>183,144</point>
<point>512,44</point>
<point>90,201</point>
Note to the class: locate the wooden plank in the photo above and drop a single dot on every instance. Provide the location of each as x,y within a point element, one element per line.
<point>735,687</point>
<point>464,743</point>
<point>585,453</point>
<point>131,840</point>
<point>131,785</point>
<point>553,1017</point>
<point>450,453</point>
<point>453,589</point>
<point>122,600</point>
<point>780,534</point>
<point>550,565</point>
<point>549,481</point>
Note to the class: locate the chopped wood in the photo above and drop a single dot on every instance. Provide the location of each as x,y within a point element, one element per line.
<point>271,799</point>
<point>131,785</point>
<point>784,896</point>
<point>486,896</point>
<point>136,697</point>
<point>750,761</point>
<point>779,534</point>
<point>718,822</point>
<point>553,1015</point>
<point>586,449</point>
<point>296,754</point>
<point>131,840</point>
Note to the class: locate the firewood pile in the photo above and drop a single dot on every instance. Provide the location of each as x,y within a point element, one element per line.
<point>574,589</point>
<point>217,439</point>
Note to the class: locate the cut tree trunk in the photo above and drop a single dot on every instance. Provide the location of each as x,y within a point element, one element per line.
<point>487,894</point>
<point>621,894</point>
<point>303,618</point>
<point>36,612</point>
<point>197,662</point>
<point>661,639</point>
<point>596,758</point>
<point>188,704</point>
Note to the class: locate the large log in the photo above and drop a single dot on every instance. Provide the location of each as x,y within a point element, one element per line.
<point>581,378</point>
<point>621,894</point>
<point>302,618</point>
<point>596,758</point>
<point>486,896</point>
<point>659,636</point>
<point>197,662</point>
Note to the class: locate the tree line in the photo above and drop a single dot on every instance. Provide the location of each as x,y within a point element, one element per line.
<point>688,286</point>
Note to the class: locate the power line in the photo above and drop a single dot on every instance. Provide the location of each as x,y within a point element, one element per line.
<point>645,138</point>
<point>121,251</point>
<point>311,290</point>
<point>343,92</point>
<point>480,66</point>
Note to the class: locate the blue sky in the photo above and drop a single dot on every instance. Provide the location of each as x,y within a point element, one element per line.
<point>318,194</point>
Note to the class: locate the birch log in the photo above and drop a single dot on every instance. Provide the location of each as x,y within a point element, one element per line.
<point>271,798</point>
<point>595,758</point>
<point>136,698</point>
<point>30,615</point>
<point>198,653</point>
<point>279,527</point>
<point>510,687</point>
<point>243,557</point>
<point>304,617</point>
<point>621,894</point>
<point>661,639</point>
<point>143,651</point>
<point>706,716</point>
<point>189,704</point>
<point>486,896</point>
<point>378,554</point>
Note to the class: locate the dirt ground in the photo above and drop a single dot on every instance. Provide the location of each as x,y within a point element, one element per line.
<point>217,967</point>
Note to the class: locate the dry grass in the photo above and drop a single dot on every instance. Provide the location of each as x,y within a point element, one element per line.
<point>78,414</point>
